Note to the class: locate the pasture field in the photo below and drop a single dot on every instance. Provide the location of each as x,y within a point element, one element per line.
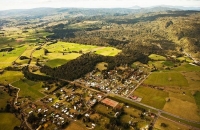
<point>170,125</point>
<point>167,79</point>
<point>57,59</point>
<point>6,58</point>
<point>10,77</point>
<point>157,57</point>
<point>184,97</point>
<point>187,67</point>
<point>29,88</point>
<point>8,121</point>
<point>151,97</point>
<point>193,78</point>
<point>182,108</point>
<point>69,47</point>
<point>62,52</point>
<point>74,47</point>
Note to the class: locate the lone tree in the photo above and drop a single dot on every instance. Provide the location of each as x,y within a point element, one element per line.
<point>163,125</point>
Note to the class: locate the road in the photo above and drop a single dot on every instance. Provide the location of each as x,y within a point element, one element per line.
<point>160,111</point>
<point>189,127</point>
<point>141,104</point>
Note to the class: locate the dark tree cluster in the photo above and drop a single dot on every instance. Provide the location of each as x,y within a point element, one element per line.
<point>33,76</point>
<point>86,63</point>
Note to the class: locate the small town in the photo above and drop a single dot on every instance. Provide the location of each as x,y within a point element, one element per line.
<point>91,103</point>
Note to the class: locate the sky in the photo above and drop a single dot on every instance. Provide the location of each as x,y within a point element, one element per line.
<point>26,4</point>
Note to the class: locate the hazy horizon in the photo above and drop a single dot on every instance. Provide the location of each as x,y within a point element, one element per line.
<point>28,4</point>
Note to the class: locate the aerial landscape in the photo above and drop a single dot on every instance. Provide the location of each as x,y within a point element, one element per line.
<point>99,65</point>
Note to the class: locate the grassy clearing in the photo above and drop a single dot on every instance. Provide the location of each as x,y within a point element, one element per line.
<point>55,62</point>
<point>170,125</point>
<point>183,109</point>
<point>132,111</point>
<point>76,126</point>
<point>125,118</point>
<point>8,121</point>
<point>104,109</point>
<point>197,98</point>
<point>167,79</point>
<point>102,66</point>
<point>4,97</point>
<point>29,88</point>
<point>10,76</point>
<point>108,51</point>
<point>152,97</point>
<point>187,59</point>
<point>157,57</point>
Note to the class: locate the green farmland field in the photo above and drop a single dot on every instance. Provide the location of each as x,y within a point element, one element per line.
<point>10,76</point>
<point>108,51</point>
<point>62,52</point>
<point>167,79</point>
<point>55,62</point>
<point>6,58</point>
<point>4,97</point>
<point>157,57</point>
<point>152,97</point>
<point>29,88</point>
<point>187,67</point>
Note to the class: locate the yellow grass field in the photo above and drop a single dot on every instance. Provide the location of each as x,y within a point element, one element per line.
<point>10,76</point>
<point>170,125</point>
<point>183,109</point>
<point>8,121</point>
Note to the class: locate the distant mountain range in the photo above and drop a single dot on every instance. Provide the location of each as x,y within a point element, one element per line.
<point>168,6</point>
